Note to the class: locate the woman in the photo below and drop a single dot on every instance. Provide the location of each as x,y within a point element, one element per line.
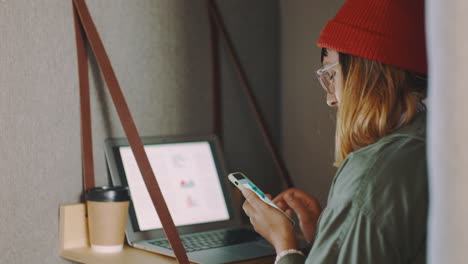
<point>374,72</point>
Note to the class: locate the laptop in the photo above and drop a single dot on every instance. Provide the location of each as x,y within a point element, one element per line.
<point>193,180</point>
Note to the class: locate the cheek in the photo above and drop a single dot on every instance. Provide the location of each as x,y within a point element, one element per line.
<point>332,100</point>
<point>338,94</point>
<point>338,88</point>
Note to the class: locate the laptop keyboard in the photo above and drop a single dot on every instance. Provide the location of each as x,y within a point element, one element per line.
<point>214,239</point>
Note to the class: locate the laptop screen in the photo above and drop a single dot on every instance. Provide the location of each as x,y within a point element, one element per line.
<point>189,181</point>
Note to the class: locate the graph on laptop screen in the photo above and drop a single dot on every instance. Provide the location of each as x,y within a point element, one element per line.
<point>189,181</point>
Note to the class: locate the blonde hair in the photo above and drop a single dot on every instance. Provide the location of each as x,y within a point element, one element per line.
<point>373,100</point>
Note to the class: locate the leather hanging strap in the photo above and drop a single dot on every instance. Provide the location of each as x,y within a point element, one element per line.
<point>85,21</point>
<point>280,165</point>
<point>85,109</point>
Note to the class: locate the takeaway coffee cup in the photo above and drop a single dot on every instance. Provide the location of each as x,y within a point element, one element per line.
<point>107,217</point>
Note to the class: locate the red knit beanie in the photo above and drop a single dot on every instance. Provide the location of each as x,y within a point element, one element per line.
<point>388,31</point>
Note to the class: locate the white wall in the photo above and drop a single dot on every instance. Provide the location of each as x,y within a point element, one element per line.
<point>306,120</point>
<point>161,55</point>
<point>448,130</point>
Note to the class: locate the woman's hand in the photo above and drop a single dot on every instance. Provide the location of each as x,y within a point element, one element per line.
<point>269,222</point>
<point>307,209</point>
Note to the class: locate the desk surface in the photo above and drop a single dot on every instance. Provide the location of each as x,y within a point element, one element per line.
<point>131,255</point>
<point>74,244</point>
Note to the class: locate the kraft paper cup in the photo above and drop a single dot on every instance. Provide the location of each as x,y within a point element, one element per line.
<point>107,217</point>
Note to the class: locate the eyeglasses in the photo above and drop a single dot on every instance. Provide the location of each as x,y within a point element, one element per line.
<point>325,78</point>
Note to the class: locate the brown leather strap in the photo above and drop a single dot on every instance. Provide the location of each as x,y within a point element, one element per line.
<point>215,15</point>
<point>85,109</point>
<point>129,127</point>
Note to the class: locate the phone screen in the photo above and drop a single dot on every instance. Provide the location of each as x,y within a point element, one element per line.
<point>247,184</point>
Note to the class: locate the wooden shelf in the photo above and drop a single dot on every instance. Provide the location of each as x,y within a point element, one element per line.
<point>74,243</point>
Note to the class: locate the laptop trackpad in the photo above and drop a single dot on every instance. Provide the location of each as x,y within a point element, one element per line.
<point>252,249</point>
<point>234,253</point>
<point>213,256</point>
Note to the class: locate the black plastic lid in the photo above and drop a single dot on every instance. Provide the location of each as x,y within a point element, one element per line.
<point>108,194</point>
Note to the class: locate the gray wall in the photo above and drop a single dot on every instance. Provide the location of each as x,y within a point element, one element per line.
<point>161,56</point>
<point>307,122</point>
<point>255,31</point>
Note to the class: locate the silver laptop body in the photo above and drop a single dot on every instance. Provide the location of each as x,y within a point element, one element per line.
<point>192,177</point>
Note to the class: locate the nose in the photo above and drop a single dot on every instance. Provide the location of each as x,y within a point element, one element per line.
<point>331,100</point>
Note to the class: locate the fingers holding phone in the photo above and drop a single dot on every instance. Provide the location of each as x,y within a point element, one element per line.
<point>291,201</point>
<point>306,208</point>
<point>242,182</point>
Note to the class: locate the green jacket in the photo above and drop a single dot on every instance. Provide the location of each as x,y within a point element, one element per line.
<point>378,204</point>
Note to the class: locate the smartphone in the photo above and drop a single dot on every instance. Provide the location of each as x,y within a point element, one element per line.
<point>241,181</point>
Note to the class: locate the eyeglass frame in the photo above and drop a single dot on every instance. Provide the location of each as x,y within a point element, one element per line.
<point>320,72</point>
